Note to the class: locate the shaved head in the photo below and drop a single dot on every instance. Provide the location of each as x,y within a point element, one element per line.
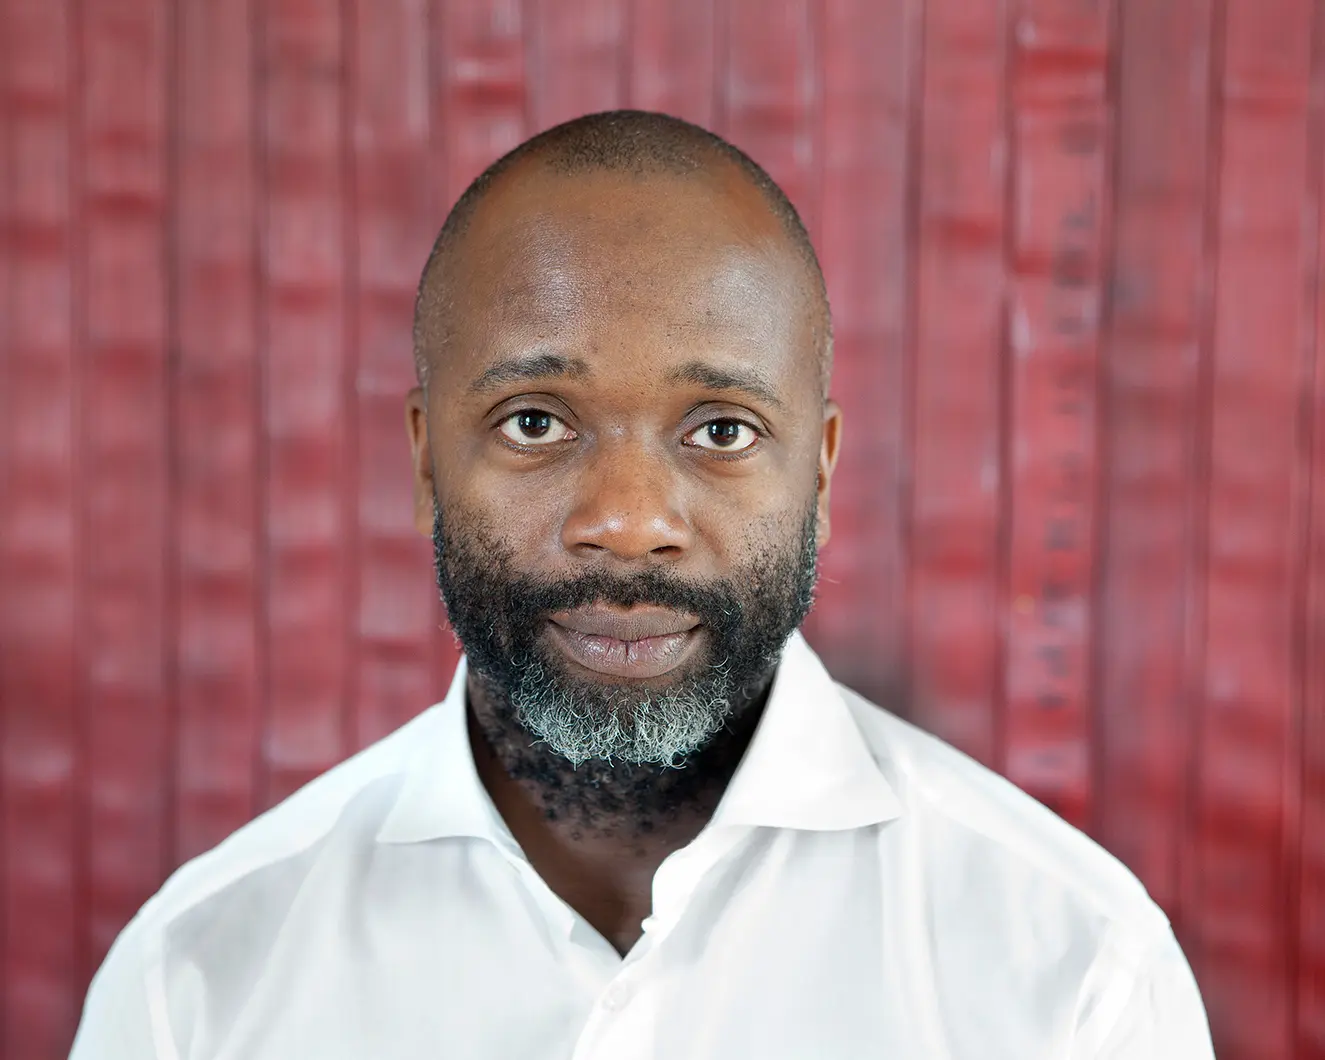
<point>633,143</point>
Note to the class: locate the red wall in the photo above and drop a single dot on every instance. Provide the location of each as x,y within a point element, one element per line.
<point>1074,248</point>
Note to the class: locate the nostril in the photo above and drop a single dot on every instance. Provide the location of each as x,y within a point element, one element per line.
<point>622,517</point>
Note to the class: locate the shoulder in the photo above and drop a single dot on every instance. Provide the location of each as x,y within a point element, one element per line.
<point>352,796</point>
<point>229,899</point>
<point>272,853</point>
<point>976,824</point>
<point>1016,899</point>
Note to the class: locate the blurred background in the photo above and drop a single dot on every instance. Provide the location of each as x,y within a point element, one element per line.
<point>1074,249</point>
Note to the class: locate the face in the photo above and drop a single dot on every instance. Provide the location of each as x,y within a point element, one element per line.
<point>623,454</point>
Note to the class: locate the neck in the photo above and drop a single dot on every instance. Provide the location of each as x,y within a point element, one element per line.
<point>597,834</point>
<point>624,800</point>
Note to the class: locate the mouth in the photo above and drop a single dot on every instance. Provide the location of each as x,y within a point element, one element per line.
<point>635,644</point>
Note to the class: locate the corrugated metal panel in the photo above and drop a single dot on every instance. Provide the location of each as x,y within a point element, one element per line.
<point>396,611</point>
<point>1150,406</point>
<point>1057,202</point>
<point>42,753</point>
<point>1310,889</point>
<point>219,636</point>
<point>870,154</point>
<point>307,357</point>
<point>957,488</point>
<point>123,438</point>
<point>1245,787</point>
<point>1075,250</point>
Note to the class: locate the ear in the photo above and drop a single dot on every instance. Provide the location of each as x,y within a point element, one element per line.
<point>416,425</point>
<point>828,450</point>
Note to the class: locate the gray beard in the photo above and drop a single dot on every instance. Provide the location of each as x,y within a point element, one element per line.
<point>638,727</point>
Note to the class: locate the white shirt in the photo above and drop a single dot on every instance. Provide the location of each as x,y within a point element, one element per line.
<point>863,891</point>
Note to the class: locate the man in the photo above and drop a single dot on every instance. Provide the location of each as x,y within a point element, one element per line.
<point>644,822</point>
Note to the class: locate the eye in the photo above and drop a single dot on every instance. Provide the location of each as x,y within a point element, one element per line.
<point>723,436</point>
<point>533,427</point>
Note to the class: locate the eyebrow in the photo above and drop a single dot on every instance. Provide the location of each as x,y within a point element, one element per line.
<point>556,366</point>
<point>711,377</point>
<point>521,369</point>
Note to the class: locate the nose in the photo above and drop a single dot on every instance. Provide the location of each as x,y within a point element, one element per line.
<point>626,505</point>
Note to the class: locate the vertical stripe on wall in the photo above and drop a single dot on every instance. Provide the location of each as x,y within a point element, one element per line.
<point>481,98</point>
<point>670,57</point>
<point>1245,785</point>
<point>1309,997</point>
<point>308,422</point>
<point>1148,394</point>
<point>957,495</point>
<point>771,93</point>
<point>218,646</point>
<point>390,129</point>
<point>870,153</point>
<point>124,436</point>
<point>42,764</point>
<point>1058,203</point>
<point>1308,993</point>
<point>578,63</point>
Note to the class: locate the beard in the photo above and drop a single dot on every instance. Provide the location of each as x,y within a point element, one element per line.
<point>499,616</point>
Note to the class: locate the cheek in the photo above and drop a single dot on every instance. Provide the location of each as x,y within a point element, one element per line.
<point>755,542</point>
<point>496,514</point>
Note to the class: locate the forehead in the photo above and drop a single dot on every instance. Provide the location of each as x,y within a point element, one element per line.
<point>656,267</point>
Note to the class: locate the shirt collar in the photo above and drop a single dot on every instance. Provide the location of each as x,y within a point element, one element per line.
<point>807,767</point>
<point>442,794</point>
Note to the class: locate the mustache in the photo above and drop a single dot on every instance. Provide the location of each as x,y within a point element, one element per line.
<point>713,602</point>
<point>524,599</point>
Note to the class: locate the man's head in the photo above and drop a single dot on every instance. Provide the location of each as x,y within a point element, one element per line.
<point>622,444</point>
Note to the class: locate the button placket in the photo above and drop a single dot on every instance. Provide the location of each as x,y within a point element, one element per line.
<point>610,1018</point>
<point>616,997</point>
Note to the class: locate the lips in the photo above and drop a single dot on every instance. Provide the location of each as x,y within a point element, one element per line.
<point>638,643</point>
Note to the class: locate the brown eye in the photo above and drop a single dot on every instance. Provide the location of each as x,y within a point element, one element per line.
<point>726,436</point>
<point>534,427</point>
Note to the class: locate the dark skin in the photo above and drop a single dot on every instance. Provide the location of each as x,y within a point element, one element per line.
<point>637,310</point>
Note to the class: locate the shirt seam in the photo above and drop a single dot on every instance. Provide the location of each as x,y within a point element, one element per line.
<point>1108,1014</point>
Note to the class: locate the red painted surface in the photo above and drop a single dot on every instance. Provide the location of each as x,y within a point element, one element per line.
<point>1077,256</point>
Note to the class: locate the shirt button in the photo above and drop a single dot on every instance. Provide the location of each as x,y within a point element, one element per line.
<point>616,997</point>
